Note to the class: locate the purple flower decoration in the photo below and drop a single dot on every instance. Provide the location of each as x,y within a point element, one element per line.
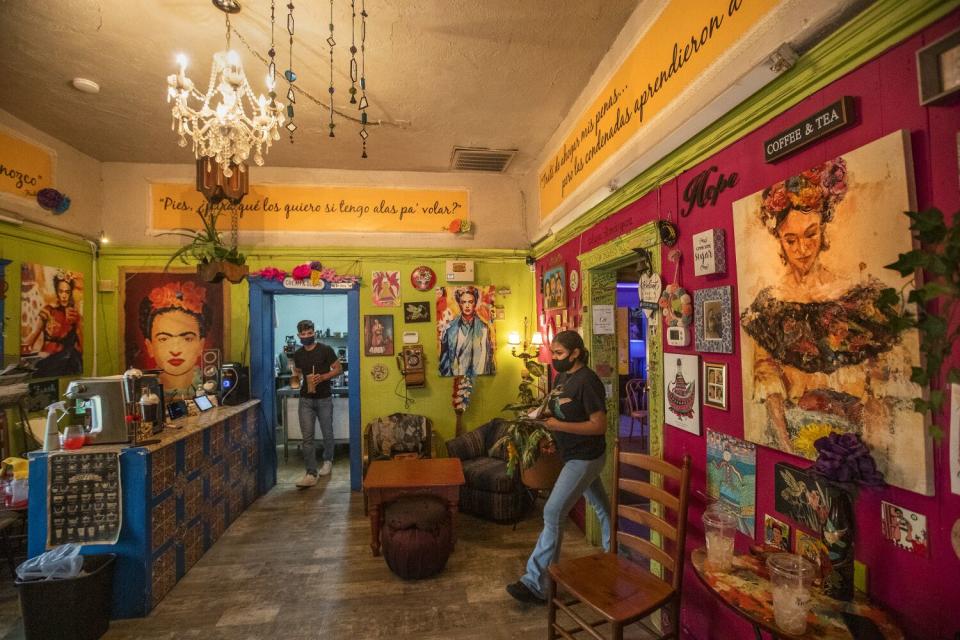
<point>316,266</point>
<point>845,458</point>
<point>51,199</point>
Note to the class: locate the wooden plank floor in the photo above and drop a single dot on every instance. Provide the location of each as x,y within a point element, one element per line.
<point>297,564</point>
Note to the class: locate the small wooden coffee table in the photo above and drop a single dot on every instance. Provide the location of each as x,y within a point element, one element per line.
<point>388,479</point>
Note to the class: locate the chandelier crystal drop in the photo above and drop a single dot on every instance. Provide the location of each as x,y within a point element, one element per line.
<point>230,121</point>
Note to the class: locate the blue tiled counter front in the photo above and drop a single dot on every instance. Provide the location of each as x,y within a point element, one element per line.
<point>179,496</point>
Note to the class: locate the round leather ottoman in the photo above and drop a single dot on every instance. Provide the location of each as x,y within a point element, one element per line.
<point>416,536</point>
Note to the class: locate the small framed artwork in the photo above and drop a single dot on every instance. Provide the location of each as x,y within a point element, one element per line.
<point>776,533</point>
<point>416,312</point>
<point>904,528</point>
<point>378,335</point>
<point>713,319</point>
<point>715,385</point>
<point>810,547</point>
<point>938,68</point>
<point>555,288</point>
<point>682,398</point>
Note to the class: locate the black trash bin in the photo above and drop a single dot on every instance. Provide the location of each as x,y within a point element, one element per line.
<point>71,608</point>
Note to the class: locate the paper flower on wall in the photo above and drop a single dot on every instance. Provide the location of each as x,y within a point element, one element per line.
<point>272,273</point>
<point>460,225</point>
<point>845,458</point>
<point>53,200</point>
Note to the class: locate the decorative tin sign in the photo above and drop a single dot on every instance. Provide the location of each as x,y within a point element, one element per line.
<point>709,252</point>
<point>423,278</point>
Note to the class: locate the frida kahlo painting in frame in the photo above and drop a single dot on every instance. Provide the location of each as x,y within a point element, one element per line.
<point>818,356</point>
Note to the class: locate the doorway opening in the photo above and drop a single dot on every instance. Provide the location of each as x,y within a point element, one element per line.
<point>329,316</point>
<point>274,313</point>
<point>633,385</point>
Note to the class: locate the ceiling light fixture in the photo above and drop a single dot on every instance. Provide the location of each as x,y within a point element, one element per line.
<point>220,127</point>
<point>85,85</point>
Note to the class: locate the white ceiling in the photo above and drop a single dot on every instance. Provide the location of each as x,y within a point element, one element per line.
<point>440,73</point>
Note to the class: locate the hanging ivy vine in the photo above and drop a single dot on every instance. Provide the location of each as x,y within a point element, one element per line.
<point>936,317</point>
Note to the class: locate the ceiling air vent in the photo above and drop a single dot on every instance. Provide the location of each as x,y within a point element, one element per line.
<point>479,159</point>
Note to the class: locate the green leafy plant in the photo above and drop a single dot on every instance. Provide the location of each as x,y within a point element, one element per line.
<point>526,438</point>
<point>939,258</point>
<point>206,244</point>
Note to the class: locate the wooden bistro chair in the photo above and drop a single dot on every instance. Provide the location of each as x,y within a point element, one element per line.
<point>636,391</point>
<point>612,586</point>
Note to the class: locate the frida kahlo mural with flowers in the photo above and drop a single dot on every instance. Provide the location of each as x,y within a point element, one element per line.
<point>169,318</point>
<point>818,355</point>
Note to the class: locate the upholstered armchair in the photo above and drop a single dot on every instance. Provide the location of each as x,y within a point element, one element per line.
<point>489,491</point>
<point>399,435</point>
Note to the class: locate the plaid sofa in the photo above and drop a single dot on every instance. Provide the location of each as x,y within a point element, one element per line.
<point>489,492</point>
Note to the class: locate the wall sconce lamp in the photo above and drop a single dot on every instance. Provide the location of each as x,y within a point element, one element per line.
<point>515,340</point>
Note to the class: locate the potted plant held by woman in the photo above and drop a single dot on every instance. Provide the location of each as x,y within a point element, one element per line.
<point>215,259</point>
<point>529,443</point>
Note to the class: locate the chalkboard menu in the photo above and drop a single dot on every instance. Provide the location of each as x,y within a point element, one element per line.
<point>84,500</point>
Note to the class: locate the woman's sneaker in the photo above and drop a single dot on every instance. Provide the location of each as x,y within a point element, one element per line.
<point>325,468</point>
<point>308,480</point>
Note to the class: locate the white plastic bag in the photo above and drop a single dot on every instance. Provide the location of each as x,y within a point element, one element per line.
<point>64,561</point>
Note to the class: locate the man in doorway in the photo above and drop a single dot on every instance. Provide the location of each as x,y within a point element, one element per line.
<point>465,345</point>
<point>314,365</point>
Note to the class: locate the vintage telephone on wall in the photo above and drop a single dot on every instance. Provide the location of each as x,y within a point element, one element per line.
<point>411,362</point>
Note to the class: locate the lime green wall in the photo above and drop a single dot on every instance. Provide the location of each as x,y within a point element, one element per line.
<point>500,268</point>
<point>19,245</point>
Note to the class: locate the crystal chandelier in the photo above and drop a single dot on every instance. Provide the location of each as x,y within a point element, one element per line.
<point>230,121</point>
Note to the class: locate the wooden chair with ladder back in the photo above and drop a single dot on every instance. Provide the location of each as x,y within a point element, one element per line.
<point>613,586</point>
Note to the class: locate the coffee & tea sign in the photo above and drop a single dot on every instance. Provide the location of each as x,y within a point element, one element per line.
<point>831,119</point>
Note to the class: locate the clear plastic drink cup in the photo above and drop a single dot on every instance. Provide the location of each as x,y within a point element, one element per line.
<point>790,577</point>
<point>720,528</point>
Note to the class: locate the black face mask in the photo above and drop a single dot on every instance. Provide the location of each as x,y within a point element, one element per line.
<point>562,366</point>
<point>308,341</point>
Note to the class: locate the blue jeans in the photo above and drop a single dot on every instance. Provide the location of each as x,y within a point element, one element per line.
<point>578,477</point>
<point>310,411</point>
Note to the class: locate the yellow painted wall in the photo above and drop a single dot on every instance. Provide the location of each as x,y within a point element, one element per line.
<point>23,245</point>
<point>491,393</point>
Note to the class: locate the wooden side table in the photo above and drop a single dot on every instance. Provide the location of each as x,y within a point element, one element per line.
<point>388,479</point>
<point>746,589</point>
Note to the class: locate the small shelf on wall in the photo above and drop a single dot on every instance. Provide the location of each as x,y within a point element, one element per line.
<point>938,69</point>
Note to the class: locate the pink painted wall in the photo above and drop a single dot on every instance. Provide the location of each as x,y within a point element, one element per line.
<point>922,592</point>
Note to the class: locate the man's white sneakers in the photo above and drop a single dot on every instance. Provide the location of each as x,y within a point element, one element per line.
<point>308,480</point>
<point>325,469</point>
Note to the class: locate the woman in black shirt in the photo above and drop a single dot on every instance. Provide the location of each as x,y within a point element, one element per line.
<point>579,425</point>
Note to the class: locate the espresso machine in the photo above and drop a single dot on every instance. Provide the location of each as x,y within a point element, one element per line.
<point>107,401</point>
<point>101,400</point>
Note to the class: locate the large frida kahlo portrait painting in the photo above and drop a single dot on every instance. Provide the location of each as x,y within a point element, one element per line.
<point>168,319</point>
<point>51,319</point>
<point>817,355</point>
<point>465,330</point>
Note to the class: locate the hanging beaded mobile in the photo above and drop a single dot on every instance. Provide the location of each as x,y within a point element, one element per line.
<point>290,75</point>
<point>353,51</point>
<point>332,43</point>
<point>363,77</point>
<point>272,53</point>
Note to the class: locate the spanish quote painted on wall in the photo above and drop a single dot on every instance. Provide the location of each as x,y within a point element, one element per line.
<point>316,208</point>
<point>25,167</point>
<point>680,45</point>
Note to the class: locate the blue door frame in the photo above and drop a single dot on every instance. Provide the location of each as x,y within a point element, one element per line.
<point>262,353</point>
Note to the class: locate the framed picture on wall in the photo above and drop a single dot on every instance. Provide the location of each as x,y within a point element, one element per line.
<point>378,335</point>
<point>416,312</point>
<point>51,319</point>
<point>715,385</point>
<point>167,319</point>
<point>555,288</point>
<point>713,319</point>
<point>681,401</point>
